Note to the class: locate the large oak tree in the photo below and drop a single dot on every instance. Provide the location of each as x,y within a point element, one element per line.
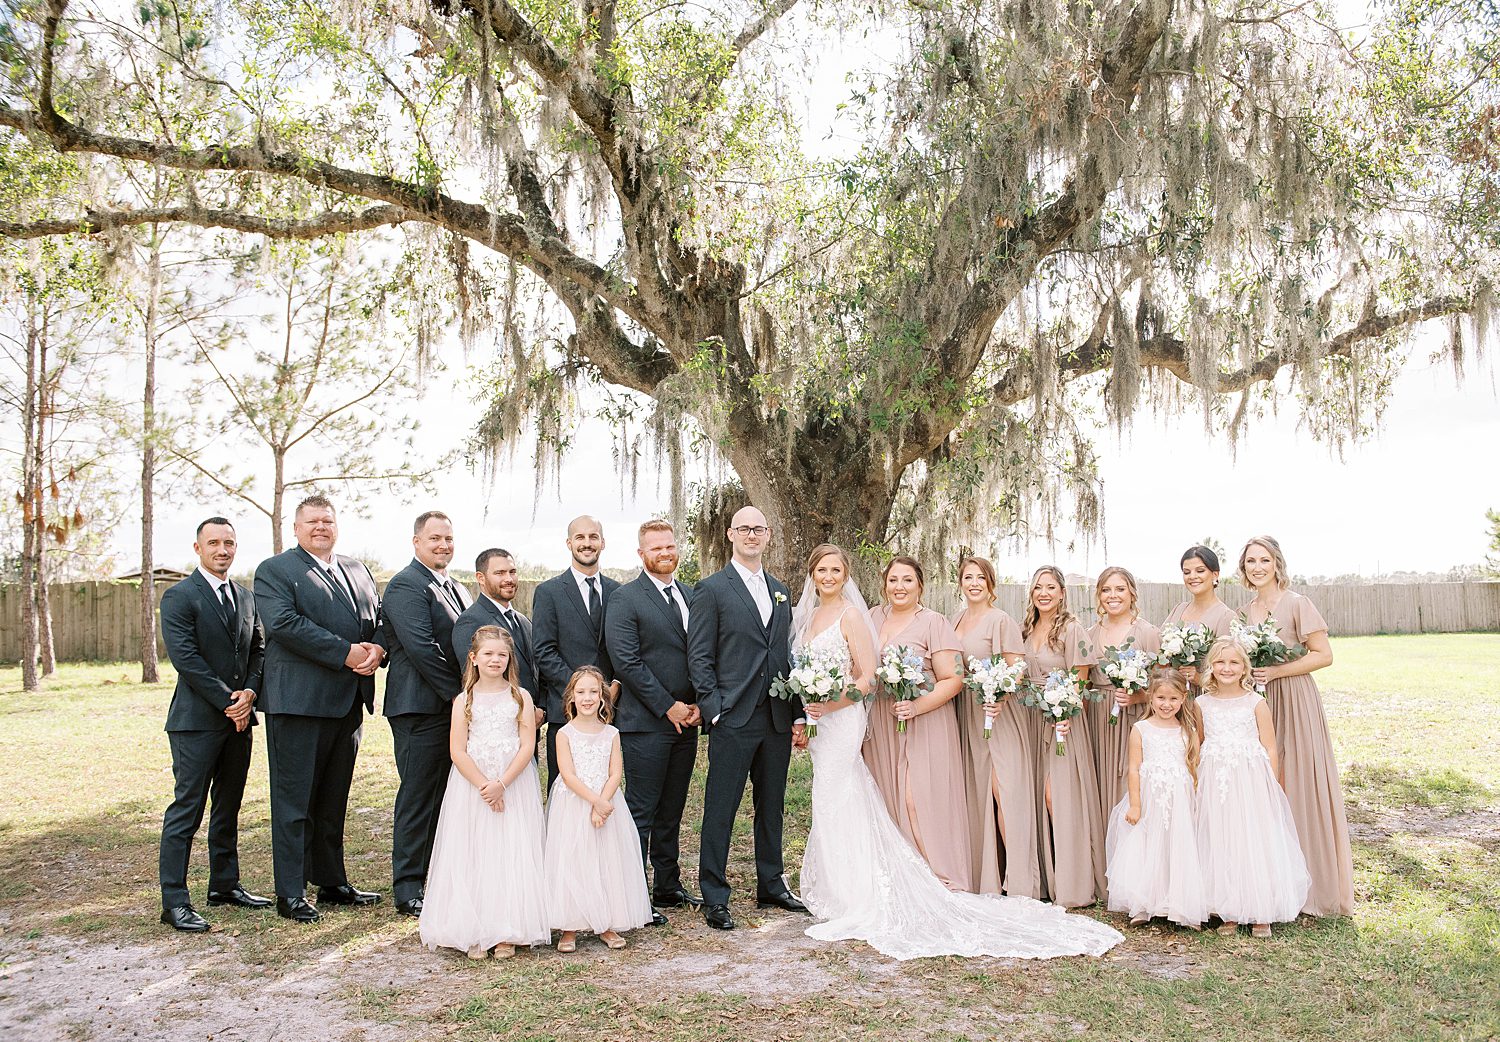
<point>1051,208</point>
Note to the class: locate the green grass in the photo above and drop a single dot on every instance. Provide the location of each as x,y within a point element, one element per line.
<point>1416,721</point>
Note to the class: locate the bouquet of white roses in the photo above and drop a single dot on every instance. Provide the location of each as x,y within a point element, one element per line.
<point>1060,697</point>
<point>991,680</point>
<point>1127,668</point>
<point>1263,645</point>
<point>900,671</point>
<point>815,678</point>
<point>1184,644</point>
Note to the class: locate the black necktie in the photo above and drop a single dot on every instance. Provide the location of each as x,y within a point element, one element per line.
<point>226,605</point>
<point>517,634</point>
<point>344,585</point>
<point>594,603</point>
<point>672,603</point>
<point>451,591</point>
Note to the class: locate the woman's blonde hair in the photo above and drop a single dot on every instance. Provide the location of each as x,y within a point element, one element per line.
<point>1123,573</point>
<point>823,550</point>
<point>471,671</point>
<point>1189,716</point>
<point>570,701</point>
<point>1278,560</point>
<point>985,569</point>
<point>1222,647</point>
<point>1060,621</point>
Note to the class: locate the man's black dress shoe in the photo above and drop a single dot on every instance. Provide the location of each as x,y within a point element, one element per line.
<point>786,899</point>
<point>239,897</point>
<point>717,916</point>
<point>412,908</point>
<point>345,895</point>
<point>182,917</point>
<point>296,908</point>
<point>678,898</point>
<point>657,919</point>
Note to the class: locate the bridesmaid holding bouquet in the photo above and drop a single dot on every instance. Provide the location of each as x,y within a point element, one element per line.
<point>920,771</point>
<point>1117,604</point>
<point>1002,768</point>
<point>1309,772</point>
<point>1072,829</point>
<point>1200,574</point>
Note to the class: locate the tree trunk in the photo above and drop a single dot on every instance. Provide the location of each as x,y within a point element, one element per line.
<point>31,498</point>
<point>278,499</point>
<point>149,671</point>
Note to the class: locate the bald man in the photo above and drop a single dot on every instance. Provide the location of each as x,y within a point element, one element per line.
<point>567,626</point>
<point>739,640</point>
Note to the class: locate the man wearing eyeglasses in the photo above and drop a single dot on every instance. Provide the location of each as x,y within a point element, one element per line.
<point>739,640</point>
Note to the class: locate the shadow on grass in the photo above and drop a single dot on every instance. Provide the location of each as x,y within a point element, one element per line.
<point>1390,787</point>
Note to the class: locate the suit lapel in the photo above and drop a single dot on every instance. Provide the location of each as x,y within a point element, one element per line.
<point>246,621</point>
<point>738,582</point>
<point>672,615</point>
<point>329,582</point>
<point>211,601</point>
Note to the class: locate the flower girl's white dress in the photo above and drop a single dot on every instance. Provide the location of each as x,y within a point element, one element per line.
<point>862,876</point>
<point>1253,868</point>
<point>485,884</point>
<point>1153,864</point>
<point>598,881</point>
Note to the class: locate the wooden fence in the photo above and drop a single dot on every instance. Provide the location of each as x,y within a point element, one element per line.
<point>99,621</point>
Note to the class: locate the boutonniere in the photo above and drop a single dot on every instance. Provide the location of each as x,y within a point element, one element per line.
<point>780,597</point>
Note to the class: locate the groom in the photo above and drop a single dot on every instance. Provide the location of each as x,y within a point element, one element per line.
<point>738,642</point>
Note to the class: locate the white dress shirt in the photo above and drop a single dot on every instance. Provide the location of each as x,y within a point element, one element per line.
<point>583,586</point>
<point>677,597</point>
<point>755,582</point>
<point>218,585</point>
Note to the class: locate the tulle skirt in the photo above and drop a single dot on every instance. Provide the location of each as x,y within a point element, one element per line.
<point>1253,868</point>
<point>597,879</point>
<point>485,885</point>
<point>1154,868</point>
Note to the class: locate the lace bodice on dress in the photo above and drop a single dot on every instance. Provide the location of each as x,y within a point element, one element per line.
<point>1231,736</point>
<point>493,734</point>
<point>1163,766</point>
<point>829,642</point>
<point>591,755</point>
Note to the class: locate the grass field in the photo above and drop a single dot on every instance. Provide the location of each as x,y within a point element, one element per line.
<point>84,776</point>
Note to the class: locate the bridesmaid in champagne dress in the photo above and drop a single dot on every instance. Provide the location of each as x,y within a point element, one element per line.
<point>1200,574</point>
<point>1309,772</point>
<point>1002,770</point>
<point>1118,607</point>
<point>1072,825</point>
<point>920,772</point>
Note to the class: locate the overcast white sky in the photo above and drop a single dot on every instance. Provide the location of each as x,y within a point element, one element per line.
<point>1413,498</point>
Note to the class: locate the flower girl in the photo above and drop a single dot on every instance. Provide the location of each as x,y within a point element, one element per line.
<point>593,853</point>
<point>1252,862</point>
<point>485,885</point>
<point>1152,844</point>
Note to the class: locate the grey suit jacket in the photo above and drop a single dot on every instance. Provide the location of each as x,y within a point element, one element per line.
<point>732,656</point>
<point>211,661</point>
<point>647,646</point>
<point>566,637</point>
<point>310,625</point>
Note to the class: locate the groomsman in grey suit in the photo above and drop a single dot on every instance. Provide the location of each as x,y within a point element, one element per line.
<point>321,611</point>
<point>216,644</point>
<point>739,640</point>
<point>645,632</point>
<point>420,607</point>
<point>495,571</point>
<point>568,611</point>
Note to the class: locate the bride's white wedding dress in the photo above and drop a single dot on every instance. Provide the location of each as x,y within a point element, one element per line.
<point>862,876</point>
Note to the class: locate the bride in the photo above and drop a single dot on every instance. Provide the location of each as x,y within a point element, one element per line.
<point>859,873</point>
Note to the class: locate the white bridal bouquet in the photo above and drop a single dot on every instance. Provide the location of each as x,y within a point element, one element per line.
<point>1184,644</point>
<point>1060,697</point>
<point>1127,668</point>
<point>991,679</point>
<point>815,677</point>
<point>899,672</point>
<point>1263,645</point>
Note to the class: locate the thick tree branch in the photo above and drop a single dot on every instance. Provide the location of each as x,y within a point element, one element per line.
<point>94,221</point>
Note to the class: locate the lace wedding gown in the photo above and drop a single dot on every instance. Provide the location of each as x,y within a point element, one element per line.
<point>862,876</point>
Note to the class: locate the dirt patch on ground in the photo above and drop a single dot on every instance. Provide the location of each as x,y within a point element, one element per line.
<point>1377,825</point>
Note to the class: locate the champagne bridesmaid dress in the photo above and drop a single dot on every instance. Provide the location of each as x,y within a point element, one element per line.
<point>1309,771</point>
<point>1216,619</point>
<point>1072,836</point>
<point>1005,764</point>
<point>921,772</point>
<point>1112,741</point>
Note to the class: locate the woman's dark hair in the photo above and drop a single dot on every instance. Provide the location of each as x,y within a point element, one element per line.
<point>1208,557</point>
